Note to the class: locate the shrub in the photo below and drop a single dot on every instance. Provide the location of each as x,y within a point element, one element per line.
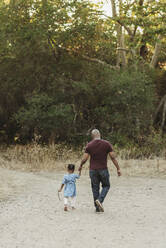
<point>120,104</point>
<point>43,116</point>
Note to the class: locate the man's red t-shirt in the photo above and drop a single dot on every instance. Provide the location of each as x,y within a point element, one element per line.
<point>98,150</point>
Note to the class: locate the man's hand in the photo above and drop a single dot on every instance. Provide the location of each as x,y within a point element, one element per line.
<point>59,190</point>
<point>112,156</point>
<point>119,173</point>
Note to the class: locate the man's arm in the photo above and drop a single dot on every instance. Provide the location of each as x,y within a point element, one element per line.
<point>83,161</point>
<point>115,162</point>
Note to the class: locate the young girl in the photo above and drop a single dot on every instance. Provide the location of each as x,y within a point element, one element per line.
<point>69,181</point>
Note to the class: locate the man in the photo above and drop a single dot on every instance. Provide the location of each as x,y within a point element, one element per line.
<point>98,151</point>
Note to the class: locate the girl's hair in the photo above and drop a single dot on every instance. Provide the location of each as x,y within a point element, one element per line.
<point>71,167</point>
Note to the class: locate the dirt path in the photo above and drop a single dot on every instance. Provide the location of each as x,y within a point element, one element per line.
<point>135,214</point>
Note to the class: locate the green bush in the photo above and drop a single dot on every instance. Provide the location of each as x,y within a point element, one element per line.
<point>48,87</point>
<point>120,104</point>
<point>42,116</point>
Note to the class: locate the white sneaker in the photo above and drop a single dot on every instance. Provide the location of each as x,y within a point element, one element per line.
<point>99,205</point>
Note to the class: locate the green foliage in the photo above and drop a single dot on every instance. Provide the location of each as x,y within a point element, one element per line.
<point>51,84</point>
<point>119,104</point>
<point>43,116</point>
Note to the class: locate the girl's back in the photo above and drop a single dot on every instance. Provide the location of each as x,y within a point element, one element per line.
<point>69,181</point>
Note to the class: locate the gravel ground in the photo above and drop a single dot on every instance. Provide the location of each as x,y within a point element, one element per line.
<point>31,215</point>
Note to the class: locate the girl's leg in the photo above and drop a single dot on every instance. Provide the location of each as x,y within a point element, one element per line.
<point>73,202</point>
<point>65,203</point>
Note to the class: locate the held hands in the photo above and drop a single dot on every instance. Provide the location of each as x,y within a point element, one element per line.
<point>79,169</point>
<point>119,173</point>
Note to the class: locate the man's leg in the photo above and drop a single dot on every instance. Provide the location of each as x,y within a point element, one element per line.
<point>95,184</point>
<point>104,178</point>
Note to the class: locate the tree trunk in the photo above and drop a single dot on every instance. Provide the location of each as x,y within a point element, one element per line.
<point>12,3</point>
<point>163,117</point>
<point>52,138</point>
<point>161,104</point>
<point>157,50</point>
<point>122,41</point>
<point>119,33</point>
<point>121,53</point>
<point>89,59</point>
<point>114,14</point>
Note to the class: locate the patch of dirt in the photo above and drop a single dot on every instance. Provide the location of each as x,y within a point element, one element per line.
<point>33,216</point>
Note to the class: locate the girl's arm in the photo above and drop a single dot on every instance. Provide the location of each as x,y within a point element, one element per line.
<point>61,187</point>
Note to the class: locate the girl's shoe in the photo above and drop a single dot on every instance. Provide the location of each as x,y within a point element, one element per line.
<point>65,209</point>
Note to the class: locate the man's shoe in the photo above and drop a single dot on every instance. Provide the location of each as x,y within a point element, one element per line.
<point>97,210</point>
<point>100,206</point>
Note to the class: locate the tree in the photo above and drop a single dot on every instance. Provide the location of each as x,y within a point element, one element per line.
<point>142,21</point>
<point>57,67</point>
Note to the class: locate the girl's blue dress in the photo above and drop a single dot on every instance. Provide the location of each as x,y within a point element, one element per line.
<point>69,181</point>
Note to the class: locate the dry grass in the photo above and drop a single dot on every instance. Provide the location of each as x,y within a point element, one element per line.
<point>142,153</point>
<point>35,157</point>
<point>146,167</point>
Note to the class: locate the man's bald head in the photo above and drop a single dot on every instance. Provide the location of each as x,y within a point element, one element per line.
<point>95,134</point>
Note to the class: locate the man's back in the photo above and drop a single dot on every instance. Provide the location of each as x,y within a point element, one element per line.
<point>98,150</point>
